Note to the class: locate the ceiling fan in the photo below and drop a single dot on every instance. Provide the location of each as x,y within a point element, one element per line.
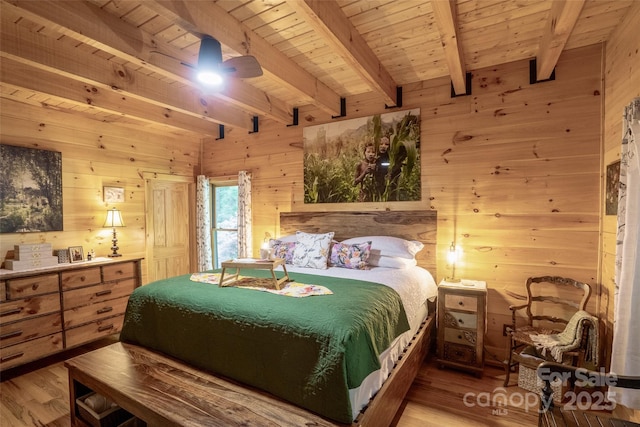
<point>211,69</point>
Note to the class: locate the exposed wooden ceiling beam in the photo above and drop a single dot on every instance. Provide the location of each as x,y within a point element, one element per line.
<point>55,86</point>
<point>76,20</point>
<point>56,57</point>
<point>562,18</point>
<point>209,18</point>
<point>328,19</point>
<point>445,15</point>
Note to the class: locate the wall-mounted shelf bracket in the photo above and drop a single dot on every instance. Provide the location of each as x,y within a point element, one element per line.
<point>295,118</point>
<point>255,124</point>
<point>398,99</point>
<point>343,109</point>
<point>533,73</point>
<point>220,132</point>
<point>467,86</point>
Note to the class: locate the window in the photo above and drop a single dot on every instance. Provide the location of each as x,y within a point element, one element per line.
<point>224,222</point>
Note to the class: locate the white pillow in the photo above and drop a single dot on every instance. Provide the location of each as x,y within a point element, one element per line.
<point>391,261</point>
<point>312,250</point>
<point>390,246</point>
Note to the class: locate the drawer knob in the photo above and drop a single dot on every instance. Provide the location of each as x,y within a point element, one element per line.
<point>460,303</point>
<point>11,334</point>
<point>105,310</point>
<point>461,321</point>
<point>10,312</point>
<point>102,293</point>
<point>12,356</point>
<point>459,337</point>
<point>105,328</point>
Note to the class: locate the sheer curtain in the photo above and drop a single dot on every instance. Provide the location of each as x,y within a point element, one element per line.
<point>625,356</point>
<point>245,239</point>
<point>203,224</point>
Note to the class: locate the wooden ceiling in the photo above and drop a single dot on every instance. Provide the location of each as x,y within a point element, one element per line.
<point>121,60</point>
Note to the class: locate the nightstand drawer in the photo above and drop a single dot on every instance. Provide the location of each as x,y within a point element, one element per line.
<point>24,330</point>
<point>460,354</point>
<point>461,302</point>
<point>30,286</point>
<point>84,277</point>
<point>460,336</point>
<point>457,319</point>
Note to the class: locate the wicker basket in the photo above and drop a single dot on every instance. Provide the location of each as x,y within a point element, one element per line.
<point>529,380</point>
<point>112,417</point>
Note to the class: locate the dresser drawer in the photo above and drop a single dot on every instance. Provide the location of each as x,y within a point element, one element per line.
<point>30,350</point>
<point>460,336</point>
<point>460,354</point>
<point>461,302</point>
<point>458,319</point>
<point>3,290</point>
<point>84,277</point>
<point>88,313</point>
<point>122,270</point>
<point>94,330</point>
<point>30,286</point>
<point>98,293</point>
<point>29,307</point>
<point>24,330</point>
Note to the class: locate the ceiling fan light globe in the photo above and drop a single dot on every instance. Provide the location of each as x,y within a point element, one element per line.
<point>209,78</point>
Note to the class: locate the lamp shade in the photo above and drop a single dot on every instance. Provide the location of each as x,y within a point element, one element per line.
<point>114,219</point>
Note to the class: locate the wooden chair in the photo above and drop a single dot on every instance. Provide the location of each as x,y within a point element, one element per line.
<point>580,409</point>
<point>540,301</point>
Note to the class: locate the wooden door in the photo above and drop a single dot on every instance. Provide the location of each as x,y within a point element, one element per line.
<point>168,228</point>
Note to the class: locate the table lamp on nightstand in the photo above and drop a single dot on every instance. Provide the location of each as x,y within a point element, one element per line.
<point>452,258</point>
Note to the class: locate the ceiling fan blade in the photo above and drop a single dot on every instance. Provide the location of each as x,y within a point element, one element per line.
<point>243,67</point>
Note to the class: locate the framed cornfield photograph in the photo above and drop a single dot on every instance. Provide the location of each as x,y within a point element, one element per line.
<point>369,159</point>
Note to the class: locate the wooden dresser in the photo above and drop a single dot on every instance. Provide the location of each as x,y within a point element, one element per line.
<point>48,310</point>
<point>462,324</point>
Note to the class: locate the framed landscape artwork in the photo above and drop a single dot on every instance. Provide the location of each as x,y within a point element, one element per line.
<point>370,159</point>
<point>30,190</point>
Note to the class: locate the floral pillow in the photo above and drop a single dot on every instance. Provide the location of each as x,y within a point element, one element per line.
<point>354,255</point>
<point>312,250</point>
<point>283,250</point>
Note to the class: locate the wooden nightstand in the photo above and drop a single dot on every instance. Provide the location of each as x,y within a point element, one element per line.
<point>461,324</point>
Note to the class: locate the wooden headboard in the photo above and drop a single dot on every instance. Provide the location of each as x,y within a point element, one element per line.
<point>410,225</point>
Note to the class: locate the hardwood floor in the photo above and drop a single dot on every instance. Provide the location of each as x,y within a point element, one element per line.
<point>38,396</point>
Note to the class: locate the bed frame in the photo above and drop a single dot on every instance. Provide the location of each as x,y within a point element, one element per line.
<point>145,382</point>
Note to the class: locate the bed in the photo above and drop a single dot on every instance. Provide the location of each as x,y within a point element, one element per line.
<point>334,354</point>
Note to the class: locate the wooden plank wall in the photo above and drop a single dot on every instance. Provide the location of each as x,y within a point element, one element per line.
<point>95,154</point>
<point>513,171</point>
<point>622,84</point>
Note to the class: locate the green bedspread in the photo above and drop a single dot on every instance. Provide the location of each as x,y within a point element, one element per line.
<point>309,351</point>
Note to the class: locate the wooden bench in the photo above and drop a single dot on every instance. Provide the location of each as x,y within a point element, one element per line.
<point>565,414</point>
<point>162,391</point>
